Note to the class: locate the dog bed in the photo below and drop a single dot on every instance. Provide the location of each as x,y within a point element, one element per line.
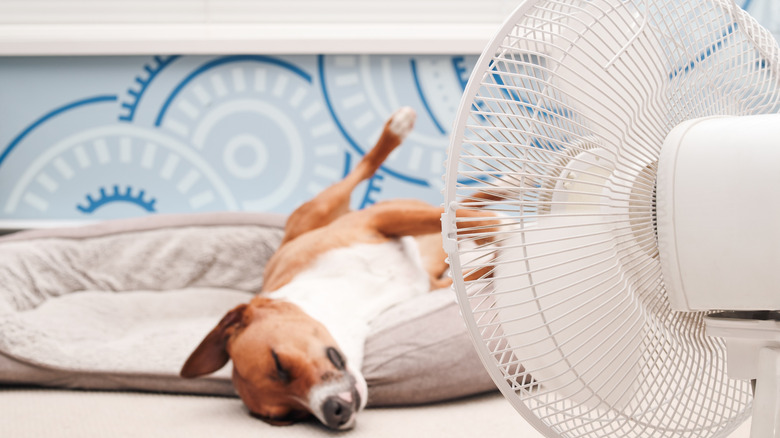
<point>121,304</point>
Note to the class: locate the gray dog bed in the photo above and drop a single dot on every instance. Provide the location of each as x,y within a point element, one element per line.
<point>121,304</point>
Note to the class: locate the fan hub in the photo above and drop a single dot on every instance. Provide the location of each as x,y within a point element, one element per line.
<point>719,213</point>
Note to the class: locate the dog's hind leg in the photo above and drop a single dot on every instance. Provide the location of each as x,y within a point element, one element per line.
<point>398,218</point>
<point>411,217</point>
<point>334,200</point>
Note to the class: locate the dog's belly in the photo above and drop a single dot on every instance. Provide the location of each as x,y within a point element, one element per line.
<point>346,288</point>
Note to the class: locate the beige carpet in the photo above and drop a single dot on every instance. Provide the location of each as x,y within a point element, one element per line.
<point>55,413</point>
<point>31,413</point>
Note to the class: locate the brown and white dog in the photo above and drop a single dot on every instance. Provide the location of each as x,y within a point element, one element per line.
<point>297,347</point>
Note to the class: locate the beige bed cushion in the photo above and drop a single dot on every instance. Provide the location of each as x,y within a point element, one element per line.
<point>120,304</point>
<point>419,352</point>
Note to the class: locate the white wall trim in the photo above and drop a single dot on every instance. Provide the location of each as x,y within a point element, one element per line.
<point>11,226</point>
<point>142,27</point>
<point>238,38</point>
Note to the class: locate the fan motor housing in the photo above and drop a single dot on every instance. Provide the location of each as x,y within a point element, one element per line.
<point>718,206</point>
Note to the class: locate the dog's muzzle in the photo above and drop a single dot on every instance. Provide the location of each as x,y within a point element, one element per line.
<point>336,404</point>
<point>339,410</point>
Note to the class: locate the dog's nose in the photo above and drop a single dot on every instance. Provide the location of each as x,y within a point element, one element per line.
<point>337,411</point>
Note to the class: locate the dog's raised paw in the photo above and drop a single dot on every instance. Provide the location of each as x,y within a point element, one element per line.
<point>402,122</point>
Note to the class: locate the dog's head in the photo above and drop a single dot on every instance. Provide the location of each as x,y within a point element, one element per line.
<point>286,365</point>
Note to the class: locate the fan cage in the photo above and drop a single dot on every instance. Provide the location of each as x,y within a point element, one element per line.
<point>557,142</point>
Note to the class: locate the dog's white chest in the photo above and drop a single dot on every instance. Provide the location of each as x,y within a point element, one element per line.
<point>347,287</point>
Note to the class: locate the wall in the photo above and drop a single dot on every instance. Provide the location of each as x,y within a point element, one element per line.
<point>103,137</point>
<point>93,137</point>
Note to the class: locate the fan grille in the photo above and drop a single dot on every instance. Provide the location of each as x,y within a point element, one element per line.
<point>559,135</point>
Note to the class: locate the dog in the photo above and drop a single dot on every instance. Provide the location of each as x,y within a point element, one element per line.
<point>297,346</point>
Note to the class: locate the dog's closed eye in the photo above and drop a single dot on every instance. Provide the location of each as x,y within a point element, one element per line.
<point>335,358</point>
<point>281,372</point>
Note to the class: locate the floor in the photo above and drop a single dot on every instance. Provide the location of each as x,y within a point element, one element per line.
<point>85,414</point>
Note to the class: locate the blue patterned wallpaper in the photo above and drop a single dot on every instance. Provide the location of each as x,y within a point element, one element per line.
<point>107,137</point>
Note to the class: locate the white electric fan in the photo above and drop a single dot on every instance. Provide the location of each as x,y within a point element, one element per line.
<point>621,277</point>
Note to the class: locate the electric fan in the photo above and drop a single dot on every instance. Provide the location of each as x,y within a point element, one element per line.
<point>625,158</point>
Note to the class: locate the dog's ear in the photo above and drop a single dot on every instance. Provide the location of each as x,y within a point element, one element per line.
<point>211,354</point>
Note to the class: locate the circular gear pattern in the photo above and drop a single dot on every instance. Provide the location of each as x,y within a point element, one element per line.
<point>132,136</point>
<point>72,176</point>
<point>362,91</point>
<point>242,113</point>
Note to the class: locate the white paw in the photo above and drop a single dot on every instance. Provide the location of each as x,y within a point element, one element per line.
<point>402,122</point>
